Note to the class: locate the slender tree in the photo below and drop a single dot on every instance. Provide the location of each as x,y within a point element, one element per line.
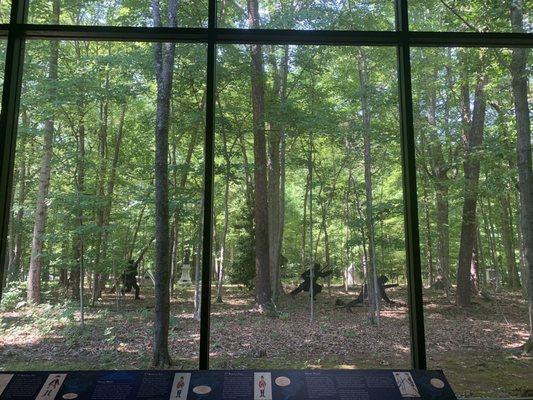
<point>263,290</point>
<point>473,138</point>
<point>41,211</point>
<point>373,298</point>
<point>523,152</point>
<point>275,161</point>
<point>164,67</point>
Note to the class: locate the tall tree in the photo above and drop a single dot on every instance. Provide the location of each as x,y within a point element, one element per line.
<point>263,292</point>
<point>474,122</point>
<point>164,68</point>
<point>438,169</point>
<point>275,136</point>
<point>373,298</point>
<point>523,152</point>
<point>41,212</point>
<point>17,231</point>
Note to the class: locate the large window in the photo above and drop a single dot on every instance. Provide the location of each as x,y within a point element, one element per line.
<point>328,121</point>
<point>83,197</point>
<point>467,131</point>
<point>268,184</point>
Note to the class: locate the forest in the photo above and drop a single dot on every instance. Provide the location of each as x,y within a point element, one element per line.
<point>109,168</point>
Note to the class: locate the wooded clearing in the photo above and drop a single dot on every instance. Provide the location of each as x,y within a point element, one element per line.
<point>314,161</point>
<point>478,348</point>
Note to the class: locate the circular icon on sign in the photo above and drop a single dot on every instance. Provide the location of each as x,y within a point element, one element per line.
<point>70,396</point>
<point>283,381</point>
<point>202,389</point>
<point>437,383</point>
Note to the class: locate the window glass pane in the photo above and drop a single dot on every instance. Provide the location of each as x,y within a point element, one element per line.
<point>330,14</point>
<point>189,13</point>
<point>91,127</point>
<point>5,11</point>
<point>321,106</point>
<point>468,16</point>
<point>468,129</point>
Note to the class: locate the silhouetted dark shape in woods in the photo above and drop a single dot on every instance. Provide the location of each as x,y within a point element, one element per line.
<point>129,279</point>
<point>305,286</point>
<point>363,295</point>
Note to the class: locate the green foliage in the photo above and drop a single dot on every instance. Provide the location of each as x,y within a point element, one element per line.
<point>243,267</point>
<point>14,294</point>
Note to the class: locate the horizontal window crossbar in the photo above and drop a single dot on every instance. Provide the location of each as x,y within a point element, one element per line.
<point>272,36</point>
<point>470,39</point>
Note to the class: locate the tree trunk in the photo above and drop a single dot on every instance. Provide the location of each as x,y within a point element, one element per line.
<point>489,234</point>
<point>223,248</point>
<point>101,279</point>
<point>373,298</point>
<point>174,227</point>
<point>524,275</point>
<point>274,205</point>
<point>438,171</point>
<point>164,66</point>
<point>474,266</point>
<point>508,243</point>
<point>471,166</point>
<point>16,263</point>
<point>480,257</point>
<point>275,171</point>
<point>102,173</point>
<point>283,151</point>
<point>41,212</point>
<point>361,216</point>
<point>77,291</point>
<point>346,264</point>
<point>523,150</point>
<point>429,242</point>
<point>6,269</point>
<point>263,292</point>
<point>197,267</point>
<point>304,221</point>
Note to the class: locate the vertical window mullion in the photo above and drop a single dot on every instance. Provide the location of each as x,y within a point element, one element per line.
<point>208,199</point>
<point>9,120</point>
<point>412,236</point>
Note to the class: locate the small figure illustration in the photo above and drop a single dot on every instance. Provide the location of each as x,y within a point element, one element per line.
<point>406,384</point>
<point>262,386</point>
<point>179,387</point>
<point>54,383</point>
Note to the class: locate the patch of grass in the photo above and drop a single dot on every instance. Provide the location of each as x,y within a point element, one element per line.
<point>350,334</point>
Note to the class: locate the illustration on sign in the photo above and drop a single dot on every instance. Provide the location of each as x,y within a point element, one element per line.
<point>180,386</point>
<point>406,384</point>
<point>51,387</point>
<point>262,386</point>
<point>4,380</point>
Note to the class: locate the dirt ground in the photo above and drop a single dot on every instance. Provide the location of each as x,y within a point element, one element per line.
<point>478,348</point>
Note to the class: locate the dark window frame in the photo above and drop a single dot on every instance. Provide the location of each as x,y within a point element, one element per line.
<point>17,31</point>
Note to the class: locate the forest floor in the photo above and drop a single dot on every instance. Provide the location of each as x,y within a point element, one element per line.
<point>479,347</point>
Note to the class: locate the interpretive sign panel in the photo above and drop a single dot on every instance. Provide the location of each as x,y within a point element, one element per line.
<point>226,385</point>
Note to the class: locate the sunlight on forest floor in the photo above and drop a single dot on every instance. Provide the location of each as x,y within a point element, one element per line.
<point>478,347</point>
